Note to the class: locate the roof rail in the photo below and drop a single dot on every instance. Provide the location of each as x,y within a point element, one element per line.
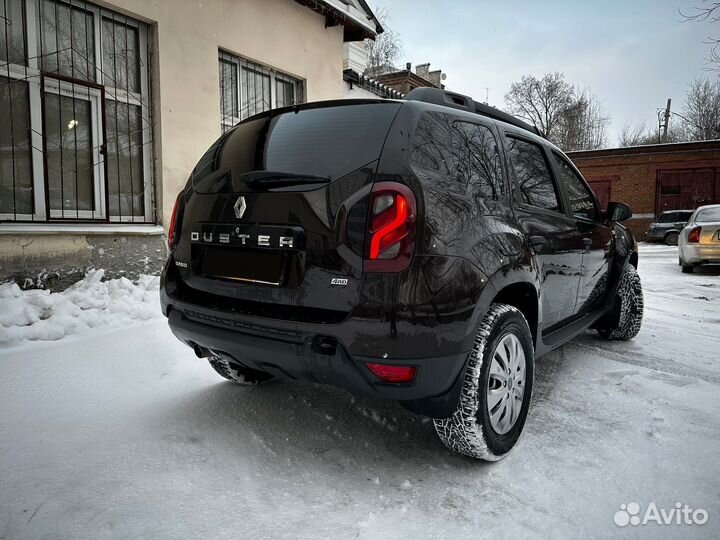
<point>466,103</point>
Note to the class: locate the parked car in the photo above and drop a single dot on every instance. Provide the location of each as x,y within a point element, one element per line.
<point>668,226</point>
<point>700,239</point>
<point>425,251</point>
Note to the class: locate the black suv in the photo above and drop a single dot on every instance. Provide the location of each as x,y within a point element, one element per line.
<point>668,226</point>
<point>425,251</point>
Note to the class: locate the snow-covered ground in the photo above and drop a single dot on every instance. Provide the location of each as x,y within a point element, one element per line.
<point>118,431</point>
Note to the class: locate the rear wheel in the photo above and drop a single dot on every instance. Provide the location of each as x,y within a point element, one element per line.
<point>630,304</point>
<point>496,391</point>
<point>687,268</point>
<point>671,239</point>
<point>237,373</point>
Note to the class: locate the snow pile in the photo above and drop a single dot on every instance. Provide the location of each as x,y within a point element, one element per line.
<point>41,315</point>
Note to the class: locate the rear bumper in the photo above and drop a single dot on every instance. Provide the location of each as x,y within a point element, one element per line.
<point>700,253</point>
<point>299,355</point>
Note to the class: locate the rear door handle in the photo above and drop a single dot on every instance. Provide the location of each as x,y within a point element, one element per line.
<point>536,241</point>
<point>587,242</point>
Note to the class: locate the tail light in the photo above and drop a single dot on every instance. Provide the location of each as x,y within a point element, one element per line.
<point>393,374</point>
<point>390,240</point>
<point>694,235</point>
<point>174,230</point>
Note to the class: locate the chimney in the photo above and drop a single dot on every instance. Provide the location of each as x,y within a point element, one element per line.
<point>435,77</point>
<point>422,70</point>
<point>408,66</point>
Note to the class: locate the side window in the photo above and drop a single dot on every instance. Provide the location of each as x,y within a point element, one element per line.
<point>477,160</point>
<point>667,218</point>
<point>431,144</point>
<point>466,153</point>
<point>582,199</point>
<point>532,175</point>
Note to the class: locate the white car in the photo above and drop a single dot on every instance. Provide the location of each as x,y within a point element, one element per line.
<point>699,241</point>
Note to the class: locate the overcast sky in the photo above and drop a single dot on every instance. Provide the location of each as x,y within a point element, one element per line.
<point>633,55</point>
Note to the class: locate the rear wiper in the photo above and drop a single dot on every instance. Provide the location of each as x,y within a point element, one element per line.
<point>273,179</point>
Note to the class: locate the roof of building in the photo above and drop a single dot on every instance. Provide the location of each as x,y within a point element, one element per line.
<point>663,148</point>
<point>371,85</point>
<point>402,76</point>
<point>358,20</point>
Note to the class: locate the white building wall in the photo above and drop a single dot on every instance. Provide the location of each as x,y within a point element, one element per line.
<point>355,56</point>
<point>281,34</point>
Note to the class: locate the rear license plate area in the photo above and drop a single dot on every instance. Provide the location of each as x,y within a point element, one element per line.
<point>250,253</point>
<point>242,265</point>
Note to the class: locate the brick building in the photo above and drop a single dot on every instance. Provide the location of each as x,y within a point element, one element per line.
<point>654,178</point>
<point>405,80</point>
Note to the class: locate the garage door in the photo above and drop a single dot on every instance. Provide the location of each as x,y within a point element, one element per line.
<point>602,190</point>
<point>688,189</point>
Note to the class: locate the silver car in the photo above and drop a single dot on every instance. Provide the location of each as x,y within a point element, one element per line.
<point>699,241</point>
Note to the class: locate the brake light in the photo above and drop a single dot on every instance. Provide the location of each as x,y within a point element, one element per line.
<point>173,231</point>
<point>694,235</point>
<point>390,240</point>
<point>393,374</point>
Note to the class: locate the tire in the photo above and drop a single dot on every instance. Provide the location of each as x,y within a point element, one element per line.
<point>631,305</point>
<point>687,269</point>
<point>671,239</point>
<point>237,373</point>
<point>471,430</point>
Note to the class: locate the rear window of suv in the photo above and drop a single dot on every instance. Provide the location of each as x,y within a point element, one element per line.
<point>328,142</point>
<point>673,217</point>
<point>670,217</point>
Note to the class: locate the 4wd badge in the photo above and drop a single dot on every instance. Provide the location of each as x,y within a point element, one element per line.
<point>339,281</point>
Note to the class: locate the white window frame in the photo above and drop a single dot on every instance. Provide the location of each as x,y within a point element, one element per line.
<point>274,75</point>
<point>132,98</point>
<point>92,95</point>
<point>31,74</point>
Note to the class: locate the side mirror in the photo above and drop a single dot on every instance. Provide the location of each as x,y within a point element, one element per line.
<point>617,211</point>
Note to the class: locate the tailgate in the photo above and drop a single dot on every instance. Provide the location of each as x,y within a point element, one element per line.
<point>279,208</point>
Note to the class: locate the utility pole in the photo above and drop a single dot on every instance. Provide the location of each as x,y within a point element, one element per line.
<point>667,120</point>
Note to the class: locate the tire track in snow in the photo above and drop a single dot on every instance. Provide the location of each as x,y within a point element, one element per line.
<point>653,363</point>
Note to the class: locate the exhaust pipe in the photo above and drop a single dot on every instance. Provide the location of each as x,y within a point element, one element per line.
<point>200,352</point>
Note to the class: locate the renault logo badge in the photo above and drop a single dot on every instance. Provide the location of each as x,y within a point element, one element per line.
<point>240,207</point>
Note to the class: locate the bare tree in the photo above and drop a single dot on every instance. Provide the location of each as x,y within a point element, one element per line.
<point>640,134</point>
<point>702,110</point>
<point>571,118</point>
<point>541,101</point>
<point>386,48</point>
<point>699,121</point>
<point>709,12</point>
<point>633,135</point>
<point>584,123</point>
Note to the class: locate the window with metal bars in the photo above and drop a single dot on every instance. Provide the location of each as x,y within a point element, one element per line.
<point>75,115</point>
<point>247,88</point>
